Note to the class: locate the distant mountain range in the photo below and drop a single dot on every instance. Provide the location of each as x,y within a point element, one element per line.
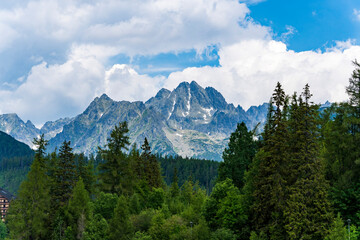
<point>188,121</point>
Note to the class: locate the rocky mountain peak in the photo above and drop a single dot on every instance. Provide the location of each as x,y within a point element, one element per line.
<point>163,93</point>
<point>217,98</point>
<point>189,120</point>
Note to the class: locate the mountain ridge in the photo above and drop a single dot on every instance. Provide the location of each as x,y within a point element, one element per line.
<point>189,121</point>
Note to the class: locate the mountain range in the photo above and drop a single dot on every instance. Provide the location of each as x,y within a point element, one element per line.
<point>189,121</point>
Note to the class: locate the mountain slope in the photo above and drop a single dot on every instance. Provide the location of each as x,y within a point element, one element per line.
<point>10,147</point>
<point>14,126</point>
<point>190,121</point>
<point>15,160</point>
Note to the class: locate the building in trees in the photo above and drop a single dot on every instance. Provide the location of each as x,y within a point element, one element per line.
<point>5,198</point>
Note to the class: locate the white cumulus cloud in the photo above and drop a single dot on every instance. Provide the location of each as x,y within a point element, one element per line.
<point>250,69</point>
<point>69,45</point>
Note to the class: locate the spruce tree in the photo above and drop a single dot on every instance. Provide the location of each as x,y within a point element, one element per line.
<point>64,176</point>
<point>238,155</point>
<point>174,187</point>
<point>120,225</point>
<point>28,216</point>
<point>151,171</point>
<point>353,90</point>
<point>79,209</point>
<point>270,182</point>
<point>342,151</point>
<point>308,212</point>
<point>85,171</point>
<point>40,144</point>
<point>115,172</point>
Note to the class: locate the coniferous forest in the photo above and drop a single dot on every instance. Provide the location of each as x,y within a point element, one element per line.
<point>298,179</point>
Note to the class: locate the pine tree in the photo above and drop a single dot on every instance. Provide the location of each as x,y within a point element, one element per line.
<point>270,182</point>
<point>28,217</point>
<point>174,188</point>
<point>238,155</point>
<point>308,212</point>
<point>40,144</point>
<point>79,209</point>
<point>115,171</point>
<point>120,225</point>
<point>152,173</point>
<point>85,171</point>
<point>64,176</point>
<point>353,90</point>
<point>342,151</point>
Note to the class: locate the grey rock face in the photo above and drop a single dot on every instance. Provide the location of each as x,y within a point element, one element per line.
<point>189,121</point>
<point>15,127</point>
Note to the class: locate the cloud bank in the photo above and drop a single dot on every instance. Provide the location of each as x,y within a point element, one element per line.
<point>68,46</point>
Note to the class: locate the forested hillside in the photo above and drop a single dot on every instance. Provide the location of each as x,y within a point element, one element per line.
<point>15,160</point>
<point>298,180</point>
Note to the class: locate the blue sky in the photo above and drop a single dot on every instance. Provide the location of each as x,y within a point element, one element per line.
<point>56,56</point>
<point>317,23</point>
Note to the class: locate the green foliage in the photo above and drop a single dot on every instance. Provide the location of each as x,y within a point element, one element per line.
<point>29,214</point>
<point>142,221</point>
<point>223,234</point>
<point>169,229</point>
<point>85,171</point>
<point>307,212</point>
<point>238,155</point>
<point>79,209</point>
<point>15,161</point>
<point>9,147</point>
<point>338,230</point>
<point>40,144</point>
<point>64,175</point>
<point>105,204</point>
<point>224,208</point>
<point>281,192</point>
<point>290,192</point>
<point>156,198</point>
<point>3,230</point>
<point>141,236</point>
<point>174,188</point>
<point>342,153</point>
<point>97,228</point>
<point>260,236</point>
<point>148,167</point>
<point>120,225</point>
<point>115,172</point>
<point>203,171</point>
<point>269,191</point>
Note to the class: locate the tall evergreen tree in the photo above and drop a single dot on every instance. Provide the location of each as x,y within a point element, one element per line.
<point>64,176</point>
<point>79,209</point>
<point>270,182</point>
<point>151,171</point>
<point>307,212</point>
<point>115,172</point>
<point>174,188</point>
<point>40,144</point>
<point>353,90</point>
<point>238,155</point>
<point>342,151</point>
<point>28,216</point>
<point>120,225</point>
<point>85,171</point>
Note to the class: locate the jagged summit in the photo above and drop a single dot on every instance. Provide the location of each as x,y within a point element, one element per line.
<point>189,120</point>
